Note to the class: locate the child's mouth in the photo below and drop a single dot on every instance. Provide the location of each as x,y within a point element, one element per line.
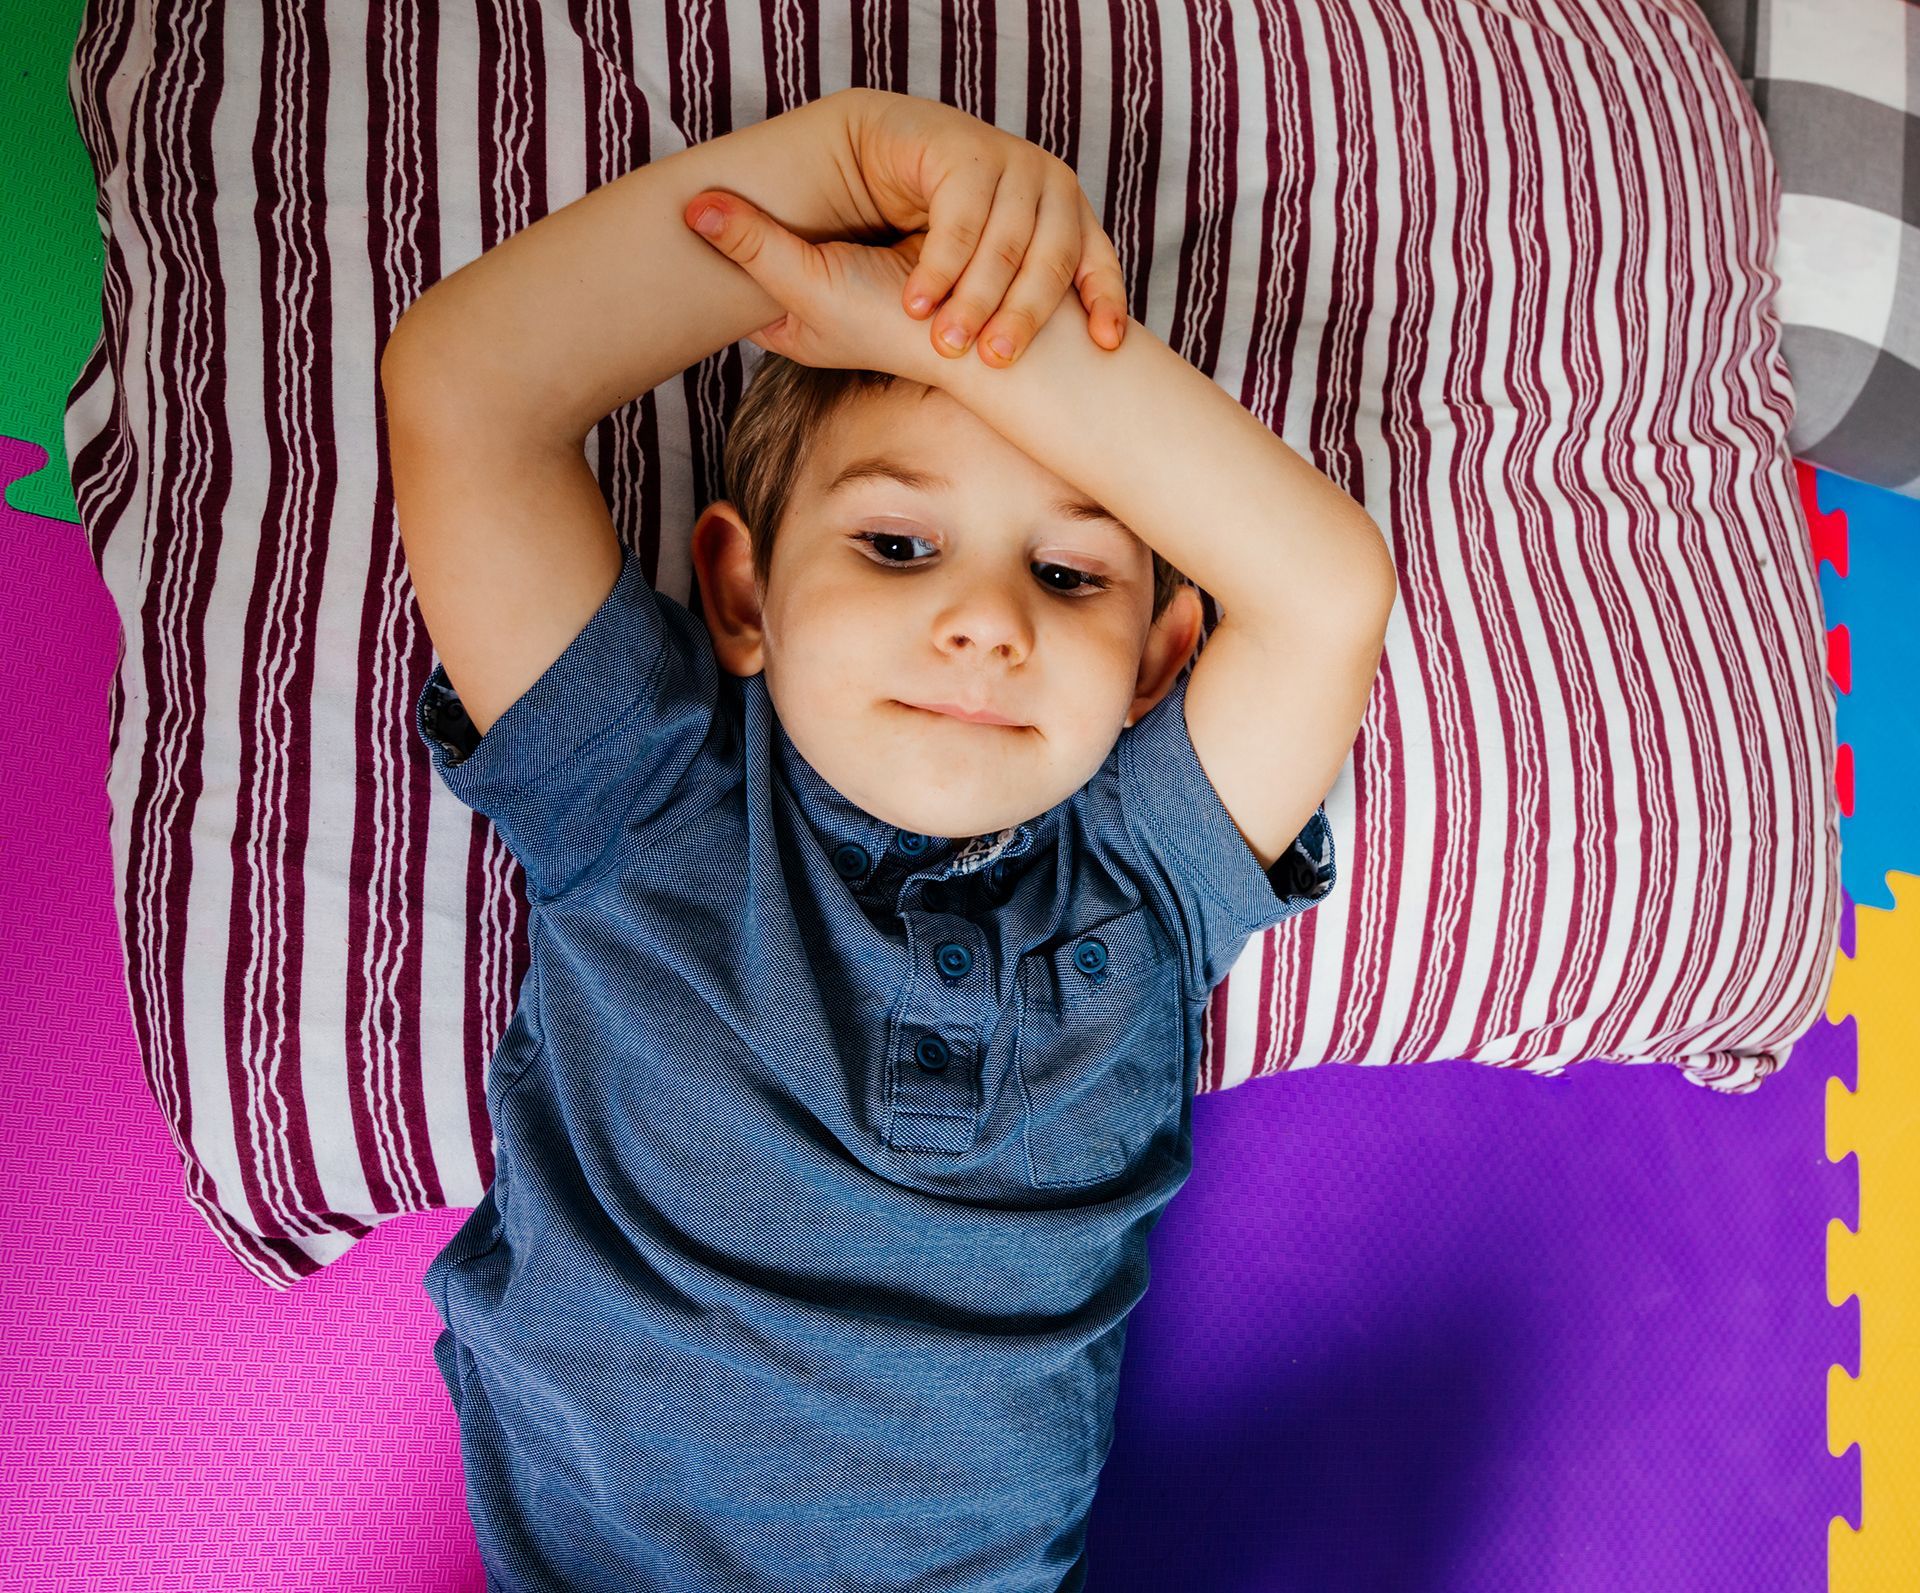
<point>945,710</point>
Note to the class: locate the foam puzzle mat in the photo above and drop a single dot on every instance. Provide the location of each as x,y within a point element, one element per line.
<point>1868,547</point>
<point>1479,1336</point>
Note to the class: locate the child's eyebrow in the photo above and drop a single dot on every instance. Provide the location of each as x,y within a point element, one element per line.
<point>877,467</point>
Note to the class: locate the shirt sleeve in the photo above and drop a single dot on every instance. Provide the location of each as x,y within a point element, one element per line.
<point>596,748</point>
<point>1186,838</point>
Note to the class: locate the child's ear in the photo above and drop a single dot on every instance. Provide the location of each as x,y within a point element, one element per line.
<point>729,598</point>
<point>1170,646</point>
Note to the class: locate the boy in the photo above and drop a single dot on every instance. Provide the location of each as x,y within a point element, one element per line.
<point>855,1062</point>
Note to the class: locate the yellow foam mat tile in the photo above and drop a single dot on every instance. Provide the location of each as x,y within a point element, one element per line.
<point>1879,1123</point>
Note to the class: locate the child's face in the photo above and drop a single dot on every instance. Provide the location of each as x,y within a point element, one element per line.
<point>965,607</point>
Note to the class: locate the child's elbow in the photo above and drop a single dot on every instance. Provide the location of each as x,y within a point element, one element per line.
<point>1377,584</point>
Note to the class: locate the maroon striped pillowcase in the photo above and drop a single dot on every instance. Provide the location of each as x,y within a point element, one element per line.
<point>1501,270</point>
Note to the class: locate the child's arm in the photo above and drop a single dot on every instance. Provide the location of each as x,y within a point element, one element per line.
<point>1305,578</point>
<point>495,374</point>
<point>579,313</point>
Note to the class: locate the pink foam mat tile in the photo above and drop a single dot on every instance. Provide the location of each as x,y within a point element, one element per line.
<point>171,1423</point>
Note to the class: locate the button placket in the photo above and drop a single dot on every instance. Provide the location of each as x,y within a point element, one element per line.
<point>936,1100</point>
<point>935,1068</point>
<point>936,1090</point>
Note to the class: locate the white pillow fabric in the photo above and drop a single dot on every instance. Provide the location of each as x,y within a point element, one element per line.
<point>1499,269</point>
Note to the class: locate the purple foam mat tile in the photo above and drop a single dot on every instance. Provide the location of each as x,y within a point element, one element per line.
<point>1451,1329</point>
<point>1843,1204</point>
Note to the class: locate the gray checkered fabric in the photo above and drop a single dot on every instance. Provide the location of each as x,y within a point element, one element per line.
<point>1837,83</point>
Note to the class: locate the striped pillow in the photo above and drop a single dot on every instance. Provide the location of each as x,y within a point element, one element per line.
<point>1499,270</point>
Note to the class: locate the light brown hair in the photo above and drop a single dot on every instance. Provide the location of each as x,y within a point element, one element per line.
<point>784,410</point>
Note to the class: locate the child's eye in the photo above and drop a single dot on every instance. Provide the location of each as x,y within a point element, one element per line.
<point>874,538</point>
<point>1087,581</point>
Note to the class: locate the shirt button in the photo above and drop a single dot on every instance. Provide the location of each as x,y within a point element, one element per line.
<point>849,860</point>
<point>1090,956</point>
<point>954,959</point>
<point>932,1053</point>
<point>911,843</point>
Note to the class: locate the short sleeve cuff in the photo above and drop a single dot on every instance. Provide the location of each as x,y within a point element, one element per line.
<point>1166,789</point>
<point>603,673</point>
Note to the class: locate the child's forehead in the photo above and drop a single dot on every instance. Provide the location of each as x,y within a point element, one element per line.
<point>905,418</point>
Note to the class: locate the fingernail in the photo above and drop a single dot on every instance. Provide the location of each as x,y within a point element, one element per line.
<point>709,222</point>
<point>919,302</point>
<point>1003,346</point>
<point>954,337</point>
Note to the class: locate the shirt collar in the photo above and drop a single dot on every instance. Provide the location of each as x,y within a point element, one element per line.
<point>890,854</point>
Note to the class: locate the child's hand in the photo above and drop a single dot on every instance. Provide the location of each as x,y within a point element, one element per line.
<point>842,299</point>
<point>988,203</point>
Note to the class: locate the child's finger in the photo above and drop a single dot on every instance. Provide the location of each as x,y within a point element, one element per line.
<point>775,258</point>
<point>1101,283</point>
<point>1004,244</point>
<point>1105,296</point>
<point>957,212</point>
<point>1043,281</point>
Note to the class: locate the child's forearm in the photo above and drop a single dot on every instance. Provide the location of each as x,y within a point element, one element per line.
<point>580,313</point>
<point>1191,472</point>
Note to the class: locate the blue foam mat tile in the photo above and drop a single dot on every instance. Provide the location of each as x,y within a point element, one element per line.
<point>1878,600</point>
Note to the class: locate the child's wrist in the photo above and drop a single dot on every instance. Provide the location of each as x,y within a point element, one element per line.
<point>1062,344</point>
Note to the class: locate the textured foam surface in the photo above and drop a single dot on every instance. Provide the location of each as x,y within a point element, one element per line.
<point>170,1424</point>
<point>1874,1401</point>
<point>1486,1333</point>
<point>1870,586</point>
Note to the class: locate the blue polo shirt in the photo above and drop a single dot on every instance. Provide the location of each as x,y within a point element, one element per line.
<point>826,1152</point>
